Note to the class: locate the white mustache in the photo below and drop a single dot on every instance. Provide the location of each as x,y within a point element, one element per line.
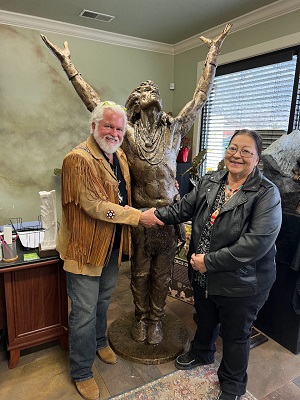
<point>111,138</point>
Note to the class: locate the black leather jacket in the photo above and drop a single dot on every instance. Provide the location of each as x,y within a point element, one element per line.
<point>241,258</point>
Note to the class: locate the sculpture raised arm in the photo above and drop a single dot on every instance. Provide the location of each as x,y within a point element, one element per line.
<point>191,110</point>
<point>87,94</point>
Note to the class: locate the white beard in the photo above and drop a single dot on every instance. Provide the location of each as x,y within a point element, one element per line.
<point>108,148</point>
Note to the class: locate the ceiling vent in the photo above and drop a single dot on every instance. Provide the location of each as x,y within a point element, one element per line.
<point>95,15</point>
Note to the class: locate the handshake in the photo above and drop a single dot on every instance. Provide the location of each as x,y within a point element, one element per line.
<point>148,218</point>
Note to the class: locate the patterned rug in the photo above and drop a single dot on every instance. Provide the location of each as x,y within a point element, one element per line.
<point>200,383</point>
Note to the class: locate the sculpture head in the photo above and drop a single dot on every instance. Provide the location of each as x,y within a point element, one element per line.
<point>145,95</point>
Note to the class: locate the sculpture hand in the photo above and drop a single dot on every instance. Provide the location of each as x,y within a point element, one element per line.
<point>217,41</point>
<point>87,94</point>
<point>62,54</point>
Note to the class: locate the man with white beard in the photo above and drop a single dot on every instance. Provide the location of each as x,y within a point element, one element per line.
<point>93,235</point>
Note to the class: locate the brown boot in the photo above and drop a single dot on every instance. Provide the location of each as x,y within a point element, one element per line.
<point>139,330</point>
<point>155,333</point>
<point>88,389</point>
<point>107,355</point>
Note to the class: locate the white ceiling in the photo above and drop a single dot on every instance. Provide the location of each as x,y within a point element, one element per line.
<point>165,21</point>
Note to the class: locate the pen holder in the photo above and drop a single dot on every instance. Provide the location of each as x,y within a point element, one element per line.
<point>9,252</point>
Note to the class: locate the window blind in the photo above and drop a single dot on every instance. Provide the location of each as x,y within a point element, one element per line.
<point>296,124</point>
<point>256,98</point>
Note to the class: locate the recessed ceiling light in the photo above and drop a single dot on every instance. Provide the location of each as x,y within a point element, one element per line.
<point>96,15</point>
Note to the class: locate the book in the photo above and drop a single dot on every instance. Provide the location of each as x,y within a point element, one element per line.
<point>31,257</point>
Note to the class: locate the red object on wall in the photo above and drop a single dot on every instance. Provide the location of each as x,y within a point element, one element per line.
<point>183,154</point>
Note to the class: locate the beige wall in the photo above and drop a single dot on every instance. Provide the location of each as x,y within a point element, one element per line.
<point>42,118</point>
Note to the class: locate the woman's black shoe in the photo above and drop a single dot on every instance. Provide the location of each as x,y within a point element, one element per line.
<point>228,396</point>
<point>187,361</point>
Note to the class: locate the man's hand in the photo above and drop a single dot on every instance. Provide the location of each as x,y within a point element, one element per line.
<point>63,55</point>
<point>148,219</point>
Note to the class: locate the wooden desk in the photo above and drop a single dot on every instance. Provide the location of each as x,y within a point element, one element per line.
<point>36,303</point>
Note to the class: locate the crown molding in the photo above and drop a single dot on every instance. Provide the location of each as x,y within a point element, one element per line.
<point>46,25</point>
<point>258,16</point>
<point>263,14</point>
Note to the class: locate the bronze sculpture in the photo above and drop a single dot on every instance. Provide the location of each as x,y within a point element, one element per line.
<point>151,144</point>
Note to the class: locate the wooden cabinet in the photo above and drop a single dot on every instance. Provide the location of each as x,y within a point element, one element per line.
<point>278,317</point>
<point>2,305</point>
<point>36,304</point>
<point>183,179</point>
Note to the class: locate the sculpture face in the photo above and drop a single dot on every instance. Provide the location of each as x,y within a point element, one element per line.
<point>150,96</point>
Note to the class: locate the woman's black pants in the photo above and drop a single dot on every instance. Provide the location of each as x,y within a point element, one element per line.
<point>232,318</point>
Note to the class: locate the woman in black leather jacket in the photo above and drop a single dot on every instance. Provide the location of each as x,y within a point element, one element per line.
<point>236,217</point>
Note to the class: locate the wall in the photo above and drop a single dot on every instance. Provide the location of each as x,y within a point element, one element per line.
<point>42,117</point>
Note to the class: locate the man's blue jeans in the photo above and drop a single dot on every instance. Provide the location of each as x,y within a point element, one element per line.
<point>90,296</point>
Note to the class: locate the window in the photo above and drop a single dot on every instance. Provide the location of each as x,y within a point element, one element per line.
<point>295,115</point>
<point>256,94</point>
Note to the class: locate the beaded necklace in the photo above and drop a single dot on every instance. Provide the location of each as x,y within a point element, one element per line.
<point>231,193</point>
<point>223,200</point>
<point>150,142</point>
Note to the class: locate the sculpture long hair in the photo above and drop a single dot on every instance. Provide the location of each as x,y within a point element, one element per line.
<point>133,102</point>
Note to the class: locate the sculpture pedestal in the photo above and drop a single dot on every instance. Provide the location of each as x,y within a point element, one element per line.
<point>174,341</point>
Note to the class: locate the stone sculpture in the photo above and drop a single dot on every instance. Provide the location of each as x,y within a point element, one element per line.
<point>281,166</point>
<point>49,219</point>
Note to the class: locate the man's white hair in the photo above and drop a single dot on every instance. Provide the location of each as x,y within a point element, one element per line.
<point>97,113</point>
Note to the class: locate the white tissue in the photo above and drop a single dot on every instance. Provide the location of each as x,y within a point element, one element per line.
<point>7,229</point>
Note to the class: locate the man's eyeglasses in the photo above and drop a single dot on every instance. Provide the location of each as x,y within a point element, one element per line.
<point>244,153</point>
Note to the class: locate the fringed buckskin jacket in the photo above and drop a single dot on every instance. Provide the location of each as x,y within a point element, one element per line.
<point>90,210</point>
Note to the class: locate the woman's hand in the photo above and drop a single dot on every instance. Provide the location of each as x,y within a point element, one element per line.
<point>197,263</point>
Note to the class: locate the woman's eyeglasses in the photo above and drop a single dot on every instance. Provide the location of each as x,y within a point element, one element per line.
<point>244,153</point>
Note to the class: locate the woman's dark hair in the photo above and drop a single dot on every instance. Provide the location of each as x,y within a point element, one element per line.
<point>255,136</point>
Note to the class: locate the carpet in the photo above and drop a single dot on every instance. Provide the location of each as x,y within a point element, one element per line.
<point>200,383</point>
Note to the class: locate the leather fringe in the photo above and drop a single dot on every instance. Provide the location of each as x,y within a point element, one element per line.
<point>84,246</point>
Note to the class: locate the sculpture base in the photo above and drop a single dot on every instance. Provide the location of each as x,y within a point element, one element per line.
<point>174,341</point>
<point>47,253</point>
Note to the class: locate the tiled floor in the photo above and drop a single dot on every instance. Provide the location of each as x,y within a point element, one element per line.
<point>43,372</point>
